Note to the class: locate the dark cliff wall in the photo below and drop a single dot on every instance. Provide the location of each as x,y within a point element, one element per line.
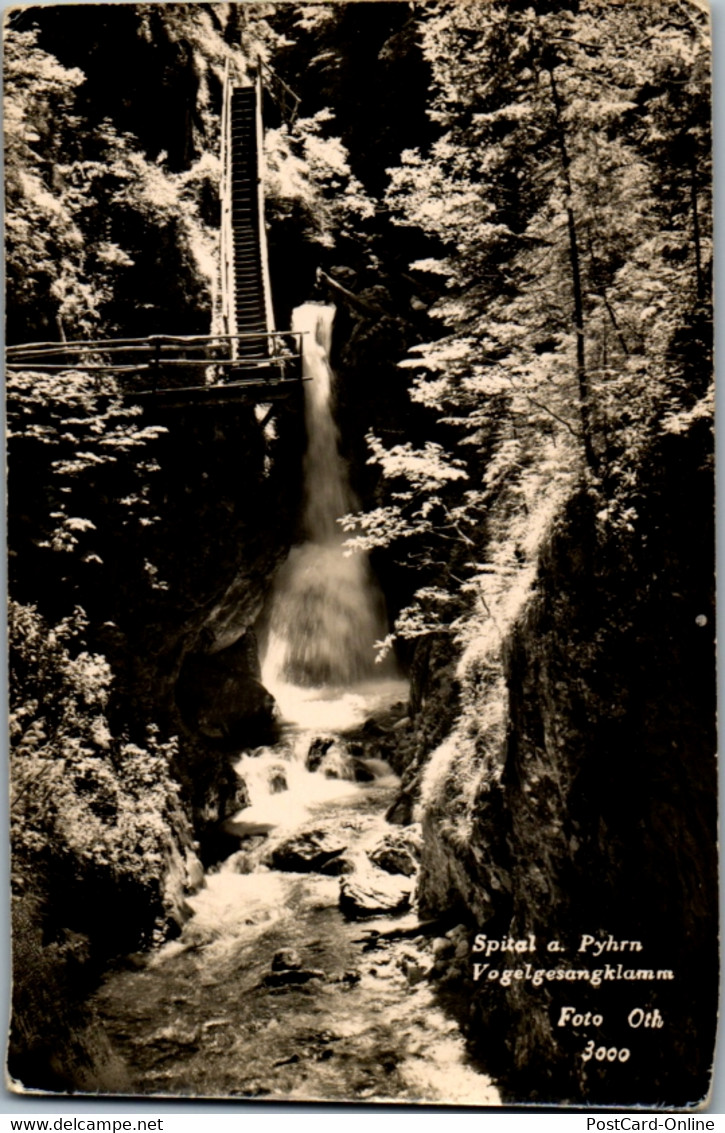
<point>578,796</point>
<point>227,499</point>
<point>123,762</point>
<point>171,562</point>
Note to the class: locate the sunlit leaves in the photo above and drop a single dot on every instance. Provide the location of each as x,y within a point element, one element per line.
<point>568,193</point>
<point>308,175</point>
<point>109,803</point>
<point>423,469</point>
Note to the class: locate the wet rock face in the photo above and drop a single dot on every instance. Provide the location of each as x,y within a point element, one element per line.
<point>368,893</point>
<point>596,802</point>
<point>213,792</point>
<point>220,696</point>
<point>408,732</point>
<point>227,507</point>
<point>400,812</point>
<point>398,852</point>
<point>307,852</point>
<point>338,759</point>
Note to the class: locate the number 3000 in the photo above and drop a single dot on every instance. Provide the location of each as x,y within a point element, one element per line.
<point>605,1053</point>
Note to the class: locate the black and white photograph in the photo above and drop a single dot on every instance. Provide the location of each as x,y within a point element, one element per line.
<point>361,571</point>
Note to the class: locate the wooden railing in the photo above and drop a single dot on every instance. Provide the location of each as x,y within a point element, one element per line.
<point>177,370</point>
<point>159,358</point>
<point>250,356</point>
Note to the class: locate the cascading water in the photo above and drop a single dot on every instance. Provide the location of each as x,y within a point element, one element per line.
<point>213,1013</point>
<point>326,610</point>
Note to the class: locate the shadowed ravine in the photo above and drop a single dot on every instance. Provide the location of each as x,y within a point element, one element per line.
<point>284,983</point>
<point>326,611</point>
<point>201,1018</point>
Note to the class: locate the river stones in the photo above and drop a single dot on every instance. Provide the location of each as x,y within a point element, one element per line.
<point>290,977</point>
<point>374,740</point>
<point>367,893</point>
<point>443,948</point>
<point>308,851</point>
<point>415,966</point>
<point>398,852</point>
<point>350,977</point>
<point>317,750</point>
<point>286,959</point>
<point>336,759</point>
<point>287,970</point>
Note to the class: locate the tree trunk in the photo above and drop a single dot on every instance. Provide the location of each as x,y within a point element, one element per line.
<point>696,230</point>
<point>576,277</point>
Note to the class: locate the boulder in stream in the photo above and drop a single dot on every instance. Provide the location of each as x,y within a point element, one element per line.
<point>277,779</point>
<point>289,977</point>
<point>361,771</point>
<point>415,966</point>
<point>286,959</point>
<point>337,763</point>
<point>336,759</point>
<point>317,751</point>
<point>398,852</point>
<point>336,867</point>
<point>307,851</point>
<point>246,860</point>
<point>368,893</point>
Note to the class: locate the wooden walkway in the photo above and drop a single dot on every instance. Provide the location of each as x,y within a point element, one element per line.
<point>179,369</point>
<point>249,359</point>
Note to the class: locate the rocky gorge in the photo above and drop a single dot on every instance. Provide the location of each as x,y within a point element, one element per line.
<point>250,860</point>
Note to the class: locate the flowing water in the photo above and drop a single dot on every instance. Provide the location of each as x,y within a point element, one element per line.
<point>210,1015</point>
<point>199,1017</point>
<point>327,612</point>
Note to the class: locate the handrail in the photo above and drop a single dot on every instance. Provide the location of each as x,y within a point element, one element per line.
<point>148,341</point>
<point>260,357</point>
<point>261,363</point>
<point>275,360</point>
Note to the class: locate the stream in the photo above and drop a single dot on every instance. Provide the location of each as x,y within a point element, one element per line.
<point>303,973</point>
<point>208,1015</point>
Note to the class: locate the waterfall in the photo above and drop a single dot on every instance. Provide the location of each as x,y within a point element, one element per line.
<point>326,609</point>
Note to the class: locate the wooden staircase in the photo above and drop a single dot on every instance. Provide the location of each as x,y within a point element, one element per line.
<point>246,293</point>
<point>248,299</point>
<point>247,359</point>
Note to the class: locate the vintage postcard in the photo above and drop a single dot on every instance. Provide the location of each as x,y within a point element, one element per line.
<point>361,551</point>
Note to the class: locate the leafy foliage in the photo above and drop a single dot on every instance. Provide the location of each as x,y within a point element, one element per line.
<point>81,482</point>
<point>519,217</point>
<point>108,804</point>
<point>572,211</point>
<point>95,232</point>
